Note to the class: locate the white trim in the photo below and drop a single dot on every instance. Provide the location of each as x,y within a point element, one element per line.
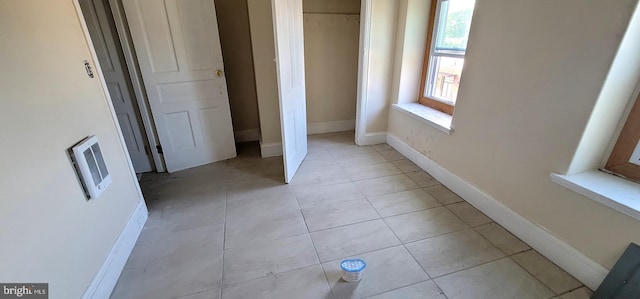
<point>427,115</point>
<point>331,126</point>
<point>246,135</point>
<point>615,192</point>
<point>105,280</point>
<point>372,138</point>
<point>363,71</point>
<point>568,258</point>
<point>273,149</point>
<point>136,81</point>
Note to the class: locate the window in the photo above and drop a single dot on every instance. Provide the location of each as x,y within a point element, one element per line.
<point>447,44</point>
<point>625,158</point>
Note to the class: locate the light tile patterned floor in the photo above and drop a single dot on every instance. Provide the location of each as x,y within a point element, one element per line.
<point>233,229</point>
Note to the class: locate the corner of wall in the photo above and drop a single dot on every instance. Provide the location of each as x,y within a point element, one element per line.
<point>105,280</point>
<point>617,90</point>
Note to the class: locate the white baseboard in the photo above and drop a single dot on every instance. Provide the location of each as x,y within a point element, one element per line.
<point>273,149</point>
<point>247,135</point>
<point>105,280</point>
<point>372,138</point>
<point>568,258</point>
<point>331,126</point>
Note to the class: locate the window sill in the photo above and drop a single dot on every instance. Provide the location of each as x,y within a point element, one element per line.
<point>430,116</point>
<point>612,191</point>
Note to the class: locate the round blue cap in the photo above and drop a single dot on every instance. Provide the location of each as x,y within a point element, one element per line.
<point>355,265</point>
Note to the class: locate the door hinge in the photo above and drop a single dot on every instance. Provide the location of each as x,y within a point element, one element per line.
<point>159,148</point>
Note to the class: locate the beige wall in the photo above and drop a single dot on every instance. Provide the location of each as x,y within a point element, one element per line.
<point>331,66</point>
<point>331,6</point>
<point>48,231</point>
<point>233,24</point>
<point>262,43</point>
<point>533,73</point>
<point>380,61</point>
<point>411,38</point>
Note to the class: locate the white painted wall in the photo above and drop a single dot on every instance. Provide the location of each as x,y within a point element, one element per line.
<point>411,39</point>
<point>533,74</point>
<point>261,26</point>
<point>331,6</point>
<point>235,39</point>
<point>49,232</point>
<point>381,47</point>
<point>331,67</point>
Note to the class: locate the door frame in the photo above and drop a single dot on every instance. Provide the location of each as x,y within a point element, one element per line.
<point>105,90</point>
<point>363,73</point>
<point>131,63</point>
<point>122,27</point>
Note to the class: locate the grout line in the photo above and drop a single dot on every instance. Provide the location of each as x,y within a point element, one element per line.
<point>533,275</point>
<point>361,253</point>
<point>414,258</point>
<point>313,244</point>
<point>478,265</point>
<point>475,228</point>
<point>326,278</point>
<point>573,290</point>
<point>191,294</point>
<point>366,198</point>
<point>404,244</point>
<point>344,225</point>
<point>224,233</point>
<point>410,285</point>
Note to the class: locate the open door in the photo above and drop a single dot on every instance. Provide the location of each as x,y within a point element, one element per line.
<point>178,48</point>
<point>289,44</point>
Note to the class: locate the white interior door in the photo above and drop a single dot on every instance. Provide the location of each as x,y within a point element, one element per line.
<point>178,49</point>
<point>105,40</point>
<point>289,43</point>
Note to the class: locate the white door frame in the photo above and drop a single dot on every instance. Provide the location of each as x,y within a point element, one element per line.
<point>131,63</point>
<point>105,90</point>
<point>136,81</point>
<point>363,73</point>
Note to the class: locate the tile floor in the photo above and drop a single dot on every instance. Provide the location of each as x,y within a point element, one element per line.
<point>232,229</point>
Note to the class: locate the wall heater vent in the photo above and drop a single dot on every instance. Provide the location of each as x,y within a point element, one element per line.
<point>92,170</point>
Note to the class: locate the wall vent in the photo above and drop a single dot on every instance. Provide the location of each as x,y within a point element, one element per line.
<point>90,166</point>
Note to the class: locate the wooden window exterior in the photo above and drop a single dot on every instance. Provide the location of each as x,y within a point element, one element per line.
<point>619,161</point>
<point>449,23</point>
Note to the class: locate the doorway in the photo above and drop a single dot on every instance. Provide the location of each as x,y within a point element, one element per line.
<point>331,37</point>
<point>116,72</point>
<point>183,106</point>
<point>331,65</point>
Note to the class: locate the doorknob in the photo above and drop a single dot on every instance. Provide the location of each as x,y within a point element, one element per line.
<point>219,73</point>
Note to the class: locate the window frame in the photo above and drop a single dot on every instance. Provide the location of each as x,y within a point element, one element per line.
<point>618,162</point>
<point>430,56</point>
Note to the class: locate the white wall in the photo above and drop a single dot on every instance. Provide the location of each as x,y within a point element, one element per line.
<point>331,6</point>
<point>331,67</point>
<point>263,50</point>
<point>411,39</point>
<point>49,232</point>
<point>533,73</point>
<point>378,62</point>
<point>235,39</point>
